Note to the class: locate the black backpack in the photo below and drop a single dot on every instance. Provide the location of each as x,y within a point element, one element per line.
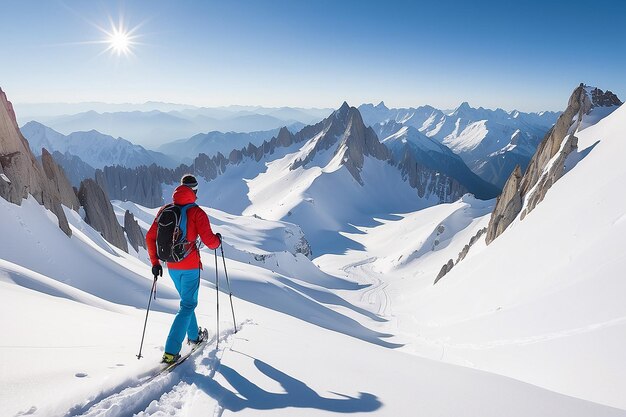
<point>171,241</point>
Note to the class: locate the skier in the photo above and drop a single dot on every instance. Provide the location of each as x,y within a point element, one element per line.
<point>186,273</point>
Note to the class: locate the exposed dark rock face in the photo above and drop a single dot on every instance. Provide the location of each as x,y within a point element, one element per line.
<point>141,185</point>
<point>133,231</point>
<point>100,214</point>
<point>604,99</point>
<point>304,248</point>
<point>444,270</point>
<point>549,178</point>
<point>75,169</point>
<point>467,247</point>
<point>21,173</point>
<point>429,182</point>
<point>450,264</point>
<point>57,176</point>
<point>538,178</point>
<point>508,205</point>
<point>285,137</point>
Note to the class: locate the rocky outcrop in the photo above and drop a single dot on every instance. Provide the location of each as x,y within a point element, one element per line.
<point>141,185</point>
<point>284,138</point>
<point>133,231</point>
<point>601,98</point>
<point>57,176</point>
<point>428,182</point>
<point>450,264</point>
<point>99,213</point>
<point>579,104</point>
<point>75,169</point>
<point>547,164</point>
<point>508,205</point>
<point>447,267</point>
<point>21,174</point>
<point>467,247</point>
<point>546,181</point>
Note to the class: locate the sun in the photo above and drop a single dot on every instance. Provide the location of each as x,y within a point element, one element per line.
<point>119,38</point>
<point>119,42</point>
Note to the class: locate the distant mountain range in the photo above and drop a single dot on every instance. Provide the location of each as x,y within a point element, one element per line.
<point>406,140</point>
<point>92,147</point>
<point>491,142</point>
<point>477,148</point>
<point>185,150</point>
<point>330,174</point>
<point>154,124</point>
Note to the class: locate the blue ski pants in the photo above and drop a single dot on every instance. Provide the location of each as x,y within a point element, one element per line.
<point>187,282</point>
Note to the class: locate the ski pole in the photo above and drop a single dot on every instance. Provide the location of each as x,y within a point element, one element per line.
<point>152,291</point>
<point>217,295</point>
<point>230,293</point>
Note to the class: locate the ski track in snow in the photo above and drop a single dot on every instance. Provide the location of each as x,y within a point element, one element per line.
<point>375,293</point>
<point>167,394</point>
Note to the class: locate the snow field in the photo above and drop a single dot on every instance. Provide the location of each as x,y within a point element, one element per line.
<point>359,329</point>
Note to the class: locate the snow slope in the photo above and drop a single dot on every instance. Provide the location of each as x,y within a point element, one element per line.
<point>533,324</point>
<point>309,343</point>
<point>543,303</point>
<point>322,197</point>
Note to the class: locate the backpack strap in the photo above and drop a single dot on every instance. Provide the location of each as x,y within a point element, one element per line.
<point>183,220</point>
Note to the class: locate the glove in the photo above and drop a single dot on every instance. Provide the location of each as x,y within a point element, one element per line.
<point>219,236</point>
<point>157,270</point>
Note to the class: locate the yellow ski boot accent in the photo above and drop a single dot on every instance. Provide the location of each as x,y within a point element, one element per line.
<point>170,358</point>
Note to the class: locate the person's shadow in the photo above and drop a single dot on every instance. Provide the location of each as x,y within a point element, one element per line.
<point>297,394</point>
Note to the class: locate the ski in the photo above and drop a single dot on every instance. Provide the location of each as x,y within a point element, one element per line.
<point>171,366</point>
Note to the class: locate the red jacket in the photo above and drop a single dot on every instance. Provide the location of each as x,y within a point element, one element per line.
<point>197,225</point>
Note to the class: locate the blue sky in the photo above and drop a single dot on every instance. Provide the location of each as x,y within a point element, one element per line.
<point>527,55</point>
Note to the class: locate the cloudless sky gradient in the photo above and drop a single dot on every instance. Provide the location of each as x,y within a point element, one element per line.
<point>527,55</point>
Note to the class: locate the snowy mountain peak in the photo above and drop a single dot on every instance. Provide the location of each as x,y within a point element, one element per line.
<point>381,106</point>
<point>342,112</point>
<point>284,137</point>
<point>463,107</point>
<point>344,131</point>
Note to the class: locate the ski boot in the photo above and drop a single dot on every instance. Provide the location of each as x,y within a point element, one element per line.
<point>203,334</point>
<point>169,358</point>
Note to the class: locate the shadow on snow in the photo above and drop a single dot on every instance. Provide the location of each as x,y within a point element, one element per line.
<point>297,394</point>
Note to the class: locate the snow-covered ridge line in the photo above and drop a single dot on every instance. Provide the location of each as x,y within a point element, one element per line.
<point>483,138</point>
<point>344,127</point>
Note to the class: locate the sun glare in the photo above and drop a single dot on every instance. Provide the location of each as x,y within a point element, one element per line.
<point>120,39</point>
<point>119,42</point>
